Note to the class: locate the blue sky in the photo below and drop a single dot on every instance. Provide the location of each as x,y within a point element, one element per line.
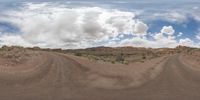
<point>90,23</point>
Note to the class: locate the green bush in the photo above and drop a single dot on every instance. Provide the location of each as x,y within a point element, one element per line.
<point>125,62</point>
<point>113,62</point>
<point>78,54</point>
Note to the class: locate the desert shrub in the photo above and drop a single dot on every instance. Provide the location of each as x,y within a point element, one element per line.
<point>143,56</point>
<point>120,57</point>
<point>125,62</point>
<point>78,54</point>
<point>113,62</point>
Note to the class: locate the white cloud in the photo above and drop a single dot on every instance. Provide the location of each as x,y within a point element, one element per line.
<point>13,40</point>
<point>64,27</point>
<point>56,26</point>
<point>140,28</point>
<point>143,42</point>
<point>196,16</point>
<point>166,33</point>
<point>187,42</point>
<point>121,35</point>
<point>159,36</point>
<point>171,16</point>
<point>161,39</point>
<point>198,34</point>
<point>180,34</point>
<point>168,30</point>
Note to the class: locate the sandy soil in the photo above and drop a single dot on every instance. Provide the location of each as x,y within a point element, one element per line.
<point>120,76</point>
<point>53,76</point>
<point>191,60</point>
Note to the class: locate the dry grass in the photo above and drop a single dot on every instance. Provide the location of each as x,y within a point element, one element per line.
<point>14,55</point>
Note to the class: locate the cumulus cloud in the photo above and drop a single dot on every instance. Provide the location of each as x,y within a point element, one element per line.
<point>57,26</point>
<point>187,42</point>
<point>168,30</point>
<point>166,33</point>
<point>13,40</point>
<point>164,38</point>
<point>159,36</point>
<point>71,27</point>
<point>140,28</point>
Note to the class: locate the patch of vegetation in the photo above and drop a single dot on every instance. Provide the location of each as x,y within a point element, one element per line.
<point>78,54</point>
<point>123,55</point>
<point>125,62</point>
<point>14,54</point>
<point>113,62</point>
<point>120,58</point>
<point>143,56</point>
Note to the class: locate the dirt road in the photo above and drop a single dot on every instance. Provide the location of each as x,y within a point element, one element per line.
<point>61,78</point>
<point>176,82</point>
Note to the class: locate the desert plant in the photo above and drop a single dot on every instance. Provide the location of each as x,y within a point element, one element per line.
<point>113,62</point>
<point>78,54</point>
<point>125,62</point>
<point>143,56</point>
<point>120,58</point>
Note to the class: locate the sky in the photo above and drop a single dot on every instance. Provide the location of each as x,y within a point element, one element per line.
<point>72,24</point>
